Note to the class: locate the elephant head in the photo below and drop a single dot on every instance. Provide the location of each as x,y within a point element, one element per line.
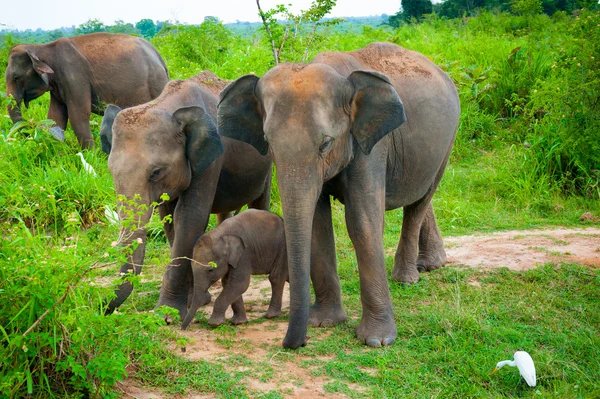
<point>310,118</point>
<point>27,78</point>
<point>110,113</point>
<point>212,259</point>
<point>155,152</point>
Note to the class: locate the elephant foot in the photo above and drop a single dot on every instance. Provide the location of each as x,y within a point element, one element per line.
<point>431,261</point>
<point>215,320</point>
<point>407,275</point>
<point>273,313</point>
<point>377,331</point>
<point>324,315</point>
<point>238,319</point>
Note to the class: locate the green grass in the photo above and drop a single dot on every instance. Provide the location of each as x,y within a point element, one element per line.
<point>56,251</point>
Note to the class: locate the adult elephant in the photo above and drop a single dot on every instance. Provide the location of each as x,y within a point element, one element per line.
<point>372,128</point>
<point>82,73</point>
<point>171,145</point>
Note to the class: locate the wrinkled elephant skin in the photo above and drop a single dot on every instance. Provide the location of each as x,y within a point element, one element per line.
<point>373,128</point>
<point>171,145</point>
<point>83,73</point>
<point>251,243</point>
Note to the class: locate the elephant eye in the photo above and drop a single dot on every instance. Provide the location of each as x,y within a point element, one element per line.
<point>325,146</point>
<point>155,174</point>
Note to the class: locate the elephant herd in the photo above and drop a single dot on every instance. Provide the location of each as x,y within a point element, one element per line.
<point>372,128</point>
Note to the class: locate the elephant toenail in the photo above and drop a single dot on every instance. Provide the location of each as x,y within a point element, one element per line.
<point>388,341</point>
<point>374,342</point>
<point>327,323</point>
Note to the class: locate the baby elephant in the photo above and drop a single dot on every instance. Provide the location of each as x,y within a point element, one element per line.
<point>252,242</point>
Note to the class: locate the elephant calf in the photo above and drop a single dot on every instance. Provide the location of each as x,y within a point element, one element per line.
<point>252,242</point>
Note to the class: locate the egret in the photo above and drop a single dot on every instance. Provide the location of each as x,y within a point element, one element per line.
<point>86,166</point>
<point>111,216</point>
<point>524,363</point>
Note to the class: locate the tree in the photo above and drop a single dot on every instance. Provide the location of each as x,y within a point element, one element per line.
<point>122,27</point>
<point>91,26</point>
<point>526,7</point>
<point>55,34</point>
<point>297,32</point>
<point>146,27</point>
<point>416,8</point>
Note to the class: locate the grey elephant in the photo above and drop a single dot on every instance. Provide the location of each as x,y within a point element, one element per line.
<point>374,129</point>
<point>82,73</point>
<point>171,145</point>
<point>251,243</point>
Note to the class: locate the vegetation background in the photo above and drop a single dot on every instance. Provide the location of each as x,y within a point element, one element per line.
<point>527,155</point>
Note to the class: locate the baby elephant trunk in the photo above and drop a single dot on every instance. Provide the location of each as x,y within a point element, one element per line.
<point>200,297</point>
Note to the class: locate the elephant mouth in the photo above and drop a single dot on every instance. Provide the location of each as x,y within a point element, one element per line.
<point>29,96</point>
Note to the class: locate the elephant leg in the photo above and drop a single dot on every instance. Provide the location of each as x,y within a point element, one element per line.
<point>80,110</point>
<point>405,260</point>
<point>365,205</point>
<point>419,235</point>
<point>263,202</point>
<point>239,312</point>
<point>233,288</point>
<point>277,285</point>
<point>221,217</point>
<point>327,309</point>
<point>189,222</point>
<point>431,247</point>
<point>168,208</point>
<point>58,112</point>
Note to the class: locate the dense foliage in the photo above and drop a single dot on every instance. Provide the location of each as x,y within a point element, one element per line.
<point>415,9</point>
<point>528,143</point>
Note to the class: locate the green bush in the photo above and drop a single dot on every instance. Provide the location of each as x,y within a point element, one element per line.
<point>564,112</point>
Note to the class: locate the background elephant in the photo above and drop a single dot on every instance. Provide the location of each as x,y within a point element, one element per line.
<point>372,128</point>
<point>171,145</point>
<point>250,243</point>
<point>82,73</point>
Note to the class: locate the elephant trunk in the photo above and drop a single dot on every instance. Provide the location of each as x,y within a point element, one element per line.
<point>299,193</point>
<point>135,260</point>
<point>14,111</point>
<point>200,296</point>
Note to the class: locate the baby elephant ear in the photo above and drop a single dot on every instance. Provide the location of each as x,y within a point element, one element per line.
<point>106,133</point>
<point>235,247</point>
<point>40,67</point>
<point>202,144</point>
<point>376,108</point>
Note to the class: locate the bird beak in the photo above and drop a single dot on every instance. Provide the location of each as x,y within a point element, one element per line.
<point>495,370</point>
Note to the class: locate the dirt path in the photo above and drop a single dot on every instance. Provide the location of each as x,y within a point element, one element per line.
<point>522,250</point>
<point>260,343</point>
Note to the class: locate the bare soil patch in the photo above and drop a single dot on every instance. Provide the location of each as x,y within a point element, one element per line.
<point>523,250</point>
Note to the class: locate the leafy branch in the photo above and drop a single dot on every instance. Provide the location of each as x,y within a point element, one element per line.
<point>296,32</point>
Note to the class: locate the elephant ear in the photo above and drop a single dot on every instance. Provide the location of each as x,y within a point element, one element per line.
<point>376,108</point>
<point>202,142</point>
<point>40,67</point>
<point>240,115</point>
<point>235,247</point>
<point>106,134</point>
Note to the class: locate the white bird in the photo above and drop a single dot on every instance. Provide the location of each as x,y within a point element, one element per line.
<point>111,216</point>
<point>86,166</point>
<point>524,363</point>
